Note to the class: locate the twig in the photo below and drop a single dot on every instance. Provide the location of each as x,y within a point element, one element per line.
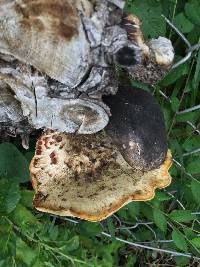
<point>181,205</point>
<point>165,96</point>
<point>136,225</point>
<point>189,110</point>
<point>185,40</point>
<point>173,16</point>
<point>69,220</point>
<point>193,126</point>
<point>182,61</point>
<point>191,152</point>
<point>181,99</point>
<point>177,31</point>
<point>156,241</point>
<point>174,253</point>
<point>119,221</point>
<point>194,47</point>
<point>44,245</point>
<point>137,245</point>
<point>147,224</point>
<point>186,173</point>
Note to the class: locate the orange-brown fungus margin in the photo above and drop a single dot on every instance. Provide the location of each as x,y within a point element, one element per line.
<point>132,24</point>
<point>138,196</point>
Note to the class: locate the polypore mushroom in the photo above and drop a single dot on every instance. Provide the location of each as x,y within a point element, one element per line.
<point>137,128</point>
<point>86,176</point>
<point>92,176</point>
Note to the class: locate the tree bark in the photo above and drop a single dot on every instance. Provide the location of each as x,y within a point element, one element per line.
<point>57,60</point>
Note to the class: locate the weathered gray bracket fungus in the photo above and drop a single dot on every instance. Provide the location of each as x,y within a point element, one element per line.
<point>57,61</point>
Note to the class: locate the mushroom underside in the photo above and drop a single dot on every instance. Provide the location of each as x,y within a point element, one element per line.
<point>85,176</point>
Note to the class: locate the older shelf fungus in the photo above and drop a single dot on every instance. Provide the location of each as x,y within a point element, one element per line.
<point>86,176</point>
<point>137,128</point>
<point>92,176</point>
<point>58,59</point>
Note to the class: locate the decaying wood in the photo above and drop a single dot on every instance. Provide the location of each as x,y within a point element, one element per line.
<point>57,60</point>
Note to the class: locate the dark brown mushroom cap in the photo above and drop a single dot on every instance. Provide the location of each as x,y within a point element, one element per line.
<point>137,128</point>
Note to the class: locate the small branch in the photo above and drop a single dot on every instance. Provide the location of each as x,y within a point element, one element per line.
<point>156,241</point>
<point>115,217</point>
<point>181,205</point>
<point>191,152</point>
<point>178,32</point>
<point>188,44</point>
<point>165,96</point>
<point>194,47</point>
<point>137,245</point>
<point>189,110</point>
<point>182,61</point>
<point>174,253</point>
<point>135,226</point>
<point>193,127</point>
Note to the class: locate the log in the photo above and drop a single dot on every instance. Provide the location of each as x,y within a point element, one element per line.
<point>58,58</point>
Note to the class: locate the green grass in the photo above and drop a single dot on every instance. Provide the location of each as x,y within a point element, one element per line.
<point>161,232</point>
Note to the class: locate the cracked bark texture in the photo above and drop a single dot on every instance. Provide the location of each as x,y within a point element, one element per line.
<point>57,60</point>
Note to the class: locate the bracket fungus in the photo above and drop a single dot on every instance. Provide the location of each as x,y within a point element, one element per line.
<point>58,58</point>
<point>57,71</point>
<point>92,176</point>
<point>137,128</point>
